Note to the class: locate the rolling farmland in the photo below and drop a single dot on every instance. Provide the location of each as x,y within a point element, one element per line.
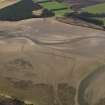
<point>47,62</point>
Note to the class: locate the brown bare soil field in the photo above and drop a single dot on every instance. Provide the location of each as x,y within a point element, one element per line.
<point>51,63</point>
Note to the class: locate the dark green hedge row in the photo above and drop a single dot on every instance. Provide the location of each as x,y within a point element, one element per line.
<point>91,19</point>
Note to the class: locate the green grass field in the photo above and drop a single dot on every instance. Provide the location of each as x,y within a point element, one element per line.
<point>97,11</point>
<point>53,5</point>
<point>59,9</point>
<point>99,8</point>
<point>62,12</point>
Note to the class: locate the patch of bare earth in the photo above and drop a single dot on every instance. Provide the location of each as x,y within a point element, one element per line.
<point>45,62</point>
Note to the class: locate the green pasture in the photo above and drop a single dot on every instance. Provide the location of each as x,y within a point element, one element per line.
<point>53,5</point>
<point>60,9</point>
<point>62,12</point>
<point>96,9</point>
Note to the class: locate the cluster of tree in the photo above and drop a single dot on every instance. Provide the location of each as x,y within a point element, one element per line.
<point>87,14</point>
<point>93,20</point>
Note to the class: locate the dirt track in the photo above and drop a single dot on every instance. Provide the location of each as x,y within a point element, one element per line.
<point>42,60</point>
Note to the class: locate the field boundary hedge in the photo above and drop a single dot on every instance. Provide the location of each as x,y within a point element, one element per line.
<point>89,19</point>
<point>79,22</point>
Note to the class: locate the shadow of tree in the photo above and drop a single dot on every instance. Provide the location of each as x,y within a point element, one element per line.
<point>96,19</point>
<point>97,15</point>
<point>20,11</point>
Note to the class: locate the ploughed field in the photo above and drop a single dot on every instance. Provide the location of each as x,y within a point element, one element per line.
<point>46,62</point>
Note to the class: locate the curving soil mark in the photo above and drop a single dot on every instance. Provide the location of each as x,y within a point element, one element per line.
<point>62,41</point>
<point>85,83</point>
<point>10,34</point>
